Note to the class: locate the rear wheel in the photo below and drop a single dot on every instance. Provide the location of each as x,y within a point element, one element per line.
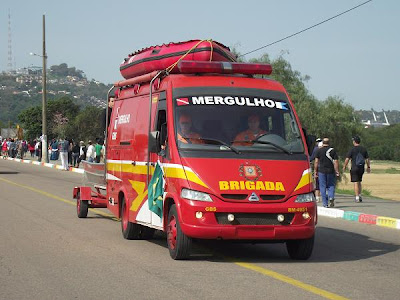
<point>133,231</point>
<point>178,243</point>
<point>300,249</point>
<point>82,206</point>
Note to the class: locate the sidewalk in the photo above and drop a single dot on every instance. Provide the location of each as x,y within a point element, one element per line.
<point>373,211</point>
<point>52,163</point>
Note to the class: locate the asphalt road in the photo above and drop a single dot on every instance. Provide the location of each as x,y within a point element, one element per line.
<point>46,252</point>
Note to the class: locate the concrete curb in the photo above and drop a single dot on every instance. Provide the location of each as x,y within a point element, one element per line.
<point>48,165</point>
<point>359,217</point>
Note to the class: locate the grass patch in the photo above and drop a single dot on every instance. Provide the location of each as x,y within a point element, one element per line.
<point>344,192</point>
<point>392,171</point>
<point>385,162</point>
<point>365,192</point>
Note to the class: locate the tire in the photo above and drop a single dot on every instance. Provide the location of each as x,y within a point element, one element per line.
<point>133,231</point>
<point>300,249</point>
<point>179,244</point>
<point>82,206</point>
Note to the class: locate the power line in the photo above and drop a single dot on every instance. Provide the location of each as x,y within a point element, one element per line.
<point>308,28</point>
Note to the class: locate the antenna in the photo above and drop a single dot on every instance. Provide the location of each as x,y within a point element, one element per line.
<point>9,63</point>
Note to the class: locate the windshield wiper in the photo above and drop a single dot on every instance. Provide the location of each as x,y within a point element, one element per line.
<point>273,144</point>
<point>256,141</point>
<point>234,149</point>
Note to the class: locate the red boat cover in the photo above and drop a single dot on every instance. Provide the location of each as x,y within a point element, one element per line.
<point>165,56</point>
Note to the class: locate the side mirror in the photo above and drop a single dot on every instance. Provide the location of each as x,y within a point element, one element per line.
<point>154,142</point>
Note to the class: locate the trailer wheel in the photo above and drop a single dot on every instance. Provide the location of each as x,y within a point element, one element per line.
<point>130,231</point>
<point>300,249</point>
<point>178,243</point>
<point>82,206</point>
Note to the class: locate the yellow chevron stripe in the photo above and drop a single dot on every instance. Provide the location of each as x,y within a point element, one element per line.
<point>139,187</point>
<point>170,172</point>
<point>129,168</point>
<point>304,180</point>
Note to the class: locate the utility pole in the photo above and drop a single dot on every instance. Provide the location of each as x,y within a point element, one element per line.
<point>44,98</point>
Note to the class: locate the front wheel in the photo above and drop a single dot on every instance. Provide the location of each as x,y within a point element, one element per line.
<point>179,244</point>
<point>82,207</point>
<point>300,249</point>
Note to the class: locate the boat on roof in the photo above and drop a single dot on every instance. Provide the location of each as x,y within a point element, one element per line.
<point>166,56</point>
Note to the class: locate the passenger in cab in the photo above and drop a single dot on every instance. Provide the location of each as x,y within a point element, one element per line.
<point>106,114</point>
<point>253,132</point>
<point>185,133</point>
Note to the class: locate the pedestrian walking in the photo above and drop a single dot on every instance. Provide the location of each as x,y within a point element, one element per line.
<point>31,148</point>
<point>318,142</point>
<point>54,149</point>
<point>326,168</point>
<point>75,154</point>
<point>4,149</point>
<point>64,146</point>
<point>12,149</point>
<point>39,149</point>
<point>91,152</point>
<point>82,152</point>
<point>98,148</point>
<point>359,157</point>
<point>71,143</point>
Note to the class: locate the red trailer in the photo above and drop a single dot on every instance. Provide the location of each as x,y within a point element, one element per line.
<point>208,153</point>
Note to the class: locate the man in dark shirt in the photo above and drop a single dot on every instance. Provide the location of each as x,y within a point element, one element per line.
<point>318,143</point>
<point>106,114</point>
<point>359,156</point>
<point>326,168</point>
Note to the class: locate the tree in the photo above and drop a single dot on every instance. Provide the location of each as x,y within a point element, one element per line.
<point>60,109</point>
<point>87,125</point>
<point>31,120</point>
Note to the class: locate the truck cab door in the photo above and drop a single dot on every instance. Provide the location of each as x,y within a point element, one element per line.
<point>160,125</point>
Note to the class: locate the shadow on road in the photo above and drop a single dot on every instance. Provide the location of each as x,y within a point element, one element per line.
<point>331,245</point>
<point>8,172</point>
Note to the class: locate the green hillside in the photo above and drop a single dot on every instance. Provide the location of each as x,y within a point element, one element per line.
<point>23,89</point>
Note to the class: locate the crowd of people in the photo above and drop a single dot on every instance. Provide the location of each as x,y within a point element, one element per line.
<point>70,152</point>
<point>16,148</point>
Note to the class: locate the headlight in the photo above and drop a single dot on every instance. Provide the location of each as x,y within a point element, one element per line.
<point>195,195</point>
<point>305,198</point>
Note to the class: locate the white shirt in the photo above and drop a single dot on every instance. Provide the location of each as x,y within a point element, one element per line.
<point>91,152</point>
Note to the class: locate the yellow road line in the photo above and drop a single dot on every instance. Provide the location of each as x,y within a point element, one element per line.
<point>291,281</point>
<point>94,210</point>
<point>252,267</point>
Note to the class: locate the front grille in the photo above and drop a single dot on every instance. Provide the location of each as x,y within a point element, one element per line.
<point>272,197</point>
<point>253,219</point>
<point>243,197</point>
<point>235,196</point>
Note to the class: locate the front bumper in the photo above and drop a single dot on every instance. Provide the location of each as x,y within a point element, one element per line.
<point>209,226</point>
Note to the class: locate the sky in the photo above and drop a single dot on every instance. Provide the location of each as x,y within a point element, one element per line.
<point>355,56</point>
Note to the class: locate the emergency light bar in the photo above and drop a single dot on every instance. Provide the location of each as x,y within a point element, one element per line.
<point>221,67</point>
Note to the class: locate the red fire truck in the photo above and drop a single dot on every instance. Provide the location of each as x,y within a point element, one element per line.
<point>233,156</point>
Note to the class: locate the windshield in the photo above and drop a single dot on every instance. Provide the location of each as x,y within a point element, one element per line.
<point>237,120</point>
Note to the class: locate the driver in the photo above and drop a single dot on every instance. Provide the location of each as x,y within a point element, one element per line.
<point>250,134</point>
<point>185,133</point>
